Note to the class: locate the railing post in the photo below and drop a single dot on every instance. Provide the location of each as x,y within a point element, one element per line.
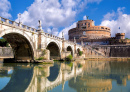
<point>6,20</point>
<point>13,22</point>
<point>29,28</point>
<point>25,26</point>
<point>19,24</point>
<point>0,18</point>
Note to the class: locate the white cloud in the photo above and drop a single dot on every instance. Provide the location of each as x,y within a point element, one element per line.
<point>5,6</point>
<point>92,1</point>
<point>50,12</point>
<point>65,30</point>
<point>54,13</point>
<point>83,4</point>
<point>120,20</point>
<point>109,16</point>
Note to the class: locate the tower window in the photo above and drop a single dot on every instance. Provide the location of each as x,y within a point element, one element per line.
<point>78,25</point>
<point>88,24</point>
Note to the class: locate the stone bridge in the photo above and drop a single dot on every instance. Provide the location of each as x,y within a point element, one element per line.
<point>29,43</point>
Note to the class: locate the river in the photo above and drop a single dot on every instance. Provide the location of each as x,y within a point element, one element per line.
<point>83,76</point>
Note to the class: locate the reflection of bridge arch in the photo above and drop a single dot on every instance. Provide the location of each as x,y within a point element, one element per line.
<point>21,43</point>
<point>20,76</point>
<point>54,49</point>
<point>46,84</point>
<point>27,78</point>
<point>54,72</point>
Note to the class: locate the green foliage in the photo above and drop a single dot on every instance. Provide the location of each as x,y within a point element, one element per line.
<point>3,43</point>
<point>80,53</point>
<point>2,40</point>
<point>43,52</point>
<point>7,44</point>
<point>41,58</point>
<point>1,21</point>
<point>69,58</point>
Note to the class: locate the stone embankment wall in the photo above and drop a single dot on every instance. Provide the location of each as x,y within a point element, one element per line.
<point>114,50</point>
<point>6,52</point>
<point>93,53</point>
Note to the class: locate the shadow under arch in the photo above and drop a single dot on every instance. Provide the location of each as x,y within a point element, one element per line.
<point>22,48</point>
<point>69,48</point>
<point>54,50</point>
<point>78,50</point>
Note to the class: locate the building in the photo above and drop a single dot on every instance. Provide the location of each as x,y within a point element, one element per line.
<point>88,34</point>
<point>86,31</point>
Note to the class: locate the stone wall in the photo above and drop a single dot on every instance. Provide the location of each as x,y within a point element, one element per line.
<point>6,52</point>
<point>114,50</point>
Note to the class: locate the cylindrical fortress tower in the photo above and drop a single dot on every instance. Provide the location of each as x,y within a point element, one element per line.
<point>86,29</point>
<point>120,35</point>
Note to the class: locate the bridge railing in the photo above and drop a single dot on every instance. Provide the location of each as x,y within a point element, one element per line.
<point>50,35</point>
<point>73,43</point>
<point>13,23</point>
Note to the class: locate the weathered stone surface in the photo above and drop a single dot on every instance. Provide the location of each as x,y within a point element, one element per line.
<point>115,50</point>
<point>6,52</point>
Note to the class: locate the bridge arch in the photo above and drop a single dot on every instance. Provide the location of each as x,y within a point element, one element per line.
<point>21,43</point>
<point>78,50</point>
<point>54,48</point>
<point>69,48</point>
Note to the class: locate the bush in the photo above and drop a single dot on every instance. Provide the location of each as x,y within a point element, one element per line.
<point>41,58</point>
<point>69,58</point>
<point>80,53</point>
<point>3,42</point>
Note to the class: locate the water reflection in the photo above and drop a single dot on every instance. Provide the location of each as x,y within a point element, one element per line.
<point>100,77</point>
<point>86,76</point>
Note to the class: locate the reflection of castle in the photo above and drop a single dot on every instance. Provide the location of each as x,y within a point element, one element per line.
<point>89,84</point>
<point>98,76</point>
<point>88,33</point>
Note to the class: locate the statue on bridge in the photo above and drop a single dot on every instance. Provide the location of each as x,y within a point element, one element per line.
<point>40,27</point>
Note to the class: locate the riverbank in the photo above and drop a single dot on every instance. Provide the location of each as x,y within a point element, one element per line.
<point>109,59</point>
<point>75,60</point>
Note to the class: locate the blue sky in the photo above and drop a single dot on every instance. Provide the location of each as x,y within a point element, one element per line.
<point>61,15</point>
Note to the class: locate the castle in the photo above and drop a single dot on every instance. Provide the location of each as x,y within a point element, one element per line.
<point>86,32</point>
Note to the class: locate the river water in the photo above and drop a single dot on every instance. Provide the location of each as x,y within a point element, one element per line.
<point>83,76</point>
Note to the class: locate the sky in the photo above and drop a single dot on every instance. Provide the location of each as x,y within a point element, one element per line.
<point>59,16</point>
